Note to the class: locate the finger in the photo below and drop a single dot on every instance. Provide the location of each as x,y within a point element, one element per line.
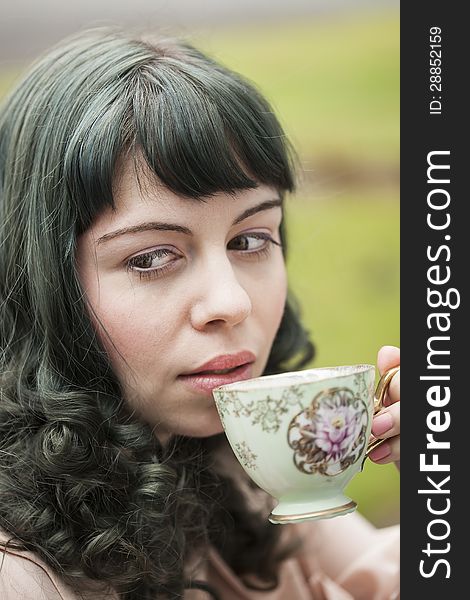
<point>387,358</point>
<point>386,423</point>
<point>387,452</point>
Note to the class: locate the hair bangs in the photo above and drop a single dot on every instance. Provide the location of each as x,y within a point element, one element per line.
<point>201,135</point>
<point>93,155</point>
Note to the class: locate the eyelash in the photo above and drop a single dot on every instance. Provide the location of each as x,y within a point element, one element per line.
<point>158,272</point>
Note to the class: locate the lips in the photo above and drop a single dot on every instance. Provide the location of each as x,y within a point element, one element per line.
<point>221,370</point>
<point>225,362</point>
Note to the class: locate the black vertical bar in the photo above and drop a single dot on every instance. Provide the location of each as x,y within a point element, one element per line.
<point>434,292</point>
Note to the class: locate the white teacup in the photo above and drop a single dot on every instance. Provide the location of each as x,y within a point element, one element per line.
<point>302,436</point>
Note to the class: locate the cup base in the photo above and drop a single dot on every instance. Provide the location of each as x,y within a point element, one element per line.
<point>281,517</point>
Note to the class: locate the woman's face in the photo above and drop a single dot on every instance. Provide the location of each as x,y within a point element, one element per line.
<point>173,284</point>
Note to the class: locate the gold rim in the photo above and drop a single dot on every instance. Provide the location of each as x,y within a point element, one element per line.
<point>382,387</point>
<point>317,514</point>
<point>379,396</point>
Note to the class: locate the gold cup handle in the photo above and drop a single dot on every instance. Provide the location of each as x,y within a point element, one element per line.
<point>379,396</point>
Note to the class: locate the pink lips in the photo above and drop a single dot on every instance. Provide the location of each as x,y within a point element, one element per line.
<point>203,379</point>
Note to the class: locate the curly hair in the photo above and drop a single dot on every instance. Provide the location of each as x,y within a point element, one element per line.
<point>84,482</point>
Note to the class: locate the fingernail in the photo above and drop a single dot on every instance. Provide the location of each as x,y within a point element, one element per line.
<point>380,452</point>
<point>381,424</point>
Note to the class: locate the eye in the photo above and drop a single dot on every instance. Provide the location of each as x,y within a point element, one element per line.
<point>154,261</point>
<point>252,243</point>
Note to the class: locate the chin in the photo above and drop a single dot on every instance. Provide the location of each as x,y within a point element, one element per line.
<point>195,426</point>
<point>207,427</point>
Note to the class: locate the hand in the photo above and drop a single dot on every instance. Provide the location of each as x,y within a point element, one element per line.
<point>386,423</point>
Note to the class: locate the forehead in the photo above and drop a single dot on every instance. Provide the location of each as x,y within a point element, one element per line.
<point>136,189</point>
<point>139,197</point>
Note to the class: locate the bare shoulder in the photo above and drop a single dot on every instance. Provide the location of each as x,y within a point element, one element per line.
<point>25,577</point>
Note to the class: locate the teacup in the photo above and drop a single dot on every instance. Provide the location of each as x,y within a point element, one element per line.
<point>302,436</point>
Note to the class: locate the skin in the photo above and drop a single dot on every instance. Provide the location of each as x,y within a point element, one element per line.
<point>215,296</point>
<point>388,428</point>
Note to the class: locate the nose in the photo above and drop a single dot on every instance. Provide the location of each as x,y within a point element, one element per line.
<point>221,298</point>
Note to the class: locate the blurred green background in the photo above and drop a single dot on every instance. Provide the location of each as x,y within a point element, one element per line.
<point>333,80</point>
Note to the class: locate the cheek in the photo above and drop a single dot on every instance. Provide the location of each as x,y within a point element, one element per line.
<point>121,323</point>
<point>135,342</point>
<point>271,298</point>
<point>280,300</point>
<point>132,333</point>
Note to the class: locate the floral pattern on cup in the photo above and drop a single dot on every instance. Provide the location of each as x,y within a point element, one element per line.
<point>266,413</point>
<point>362,388</point>
<point>330,434</point>
<point>246,457</point>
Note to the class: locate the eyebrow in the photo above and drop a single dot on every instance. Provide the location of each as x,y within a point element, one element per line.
<point>161,226</point>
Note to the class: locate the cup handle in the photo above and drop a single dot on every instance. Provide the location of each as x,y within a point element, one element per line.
<point>379,396</point>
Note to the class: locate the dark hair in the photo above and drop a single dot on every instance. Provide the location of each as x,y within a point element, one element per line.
<point>83,482</point>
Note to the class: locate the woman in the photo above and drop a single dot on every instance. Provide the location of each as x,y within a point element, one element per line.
<point>142,237</point>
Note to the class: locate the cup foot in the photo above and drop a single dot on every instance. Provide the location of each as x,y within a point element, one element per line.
<point>278,518</point>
